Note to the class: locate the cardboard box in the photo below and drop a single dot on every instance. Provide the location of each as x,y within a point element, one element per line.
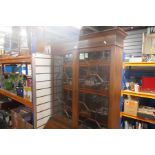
<point>131,107</point>
<point>19,117</point>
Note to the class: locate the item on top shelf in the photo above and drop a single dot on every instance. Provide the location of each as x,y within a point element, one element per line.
<point>149,44</point>
<point>148,83</point>
<point>28,93</point>
<point>40,46</point>
<point>146,112</point>
<point>131,106</point>
<point>135,59</point>
<point>148,58</point>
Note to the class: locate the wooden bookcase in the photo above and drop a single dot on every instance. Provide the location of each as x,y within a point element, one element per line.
<point>99,55</point>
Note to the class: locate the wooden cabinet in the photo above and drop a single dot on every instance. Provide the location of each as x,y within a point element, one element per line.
<point>92,84</point>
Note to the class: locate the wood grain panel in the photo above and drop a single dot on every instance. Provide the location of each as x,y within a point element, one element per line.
<point>75,88</point>
<point>115,88</point>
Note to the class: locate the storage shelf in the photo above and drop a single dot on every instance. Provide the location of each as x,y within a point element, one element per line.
<point>89,63</point>
<point>142,64</point>
<point>137,118</point>
<point>16,60</point>
<point>88,90</point>
<point>138,94</point>
<point>16,98</point>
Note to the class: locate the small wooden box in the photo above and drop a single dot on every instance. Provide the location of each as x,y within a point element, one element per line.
<point>131,107</point>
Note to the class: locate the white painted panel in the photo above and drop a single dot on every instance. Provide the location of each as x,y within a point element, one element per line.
<point>43,99</point>
<point>42,121</point>
<point>43,77</point>
<point>43,92</point>
<point>39,55</point>
<point>46,84</point>
<point>43,114</point>
<point>43,62</point>
<point>43,69</point>
<point>43,106</point>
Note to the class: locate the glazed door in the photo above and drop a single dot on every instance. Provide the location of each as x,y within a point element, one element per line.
<point>94,80</point>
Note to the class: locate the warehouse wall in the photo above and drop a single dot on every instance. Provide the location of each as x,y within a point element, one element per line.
<point>42,88</point>
<point>133,42</point>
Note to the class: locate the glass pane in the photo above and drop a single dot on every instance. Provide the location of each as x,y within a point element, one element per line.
<point>67,88</point>
<point>94,81</point>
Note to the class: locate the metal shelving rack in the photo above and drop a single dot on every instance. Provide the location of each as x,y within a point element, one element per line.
<point>140,94</point>
<point>15,60</point>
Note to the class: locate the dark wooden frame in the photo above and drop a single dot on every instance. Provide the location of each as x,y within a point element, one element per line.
<point>116,47</point>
